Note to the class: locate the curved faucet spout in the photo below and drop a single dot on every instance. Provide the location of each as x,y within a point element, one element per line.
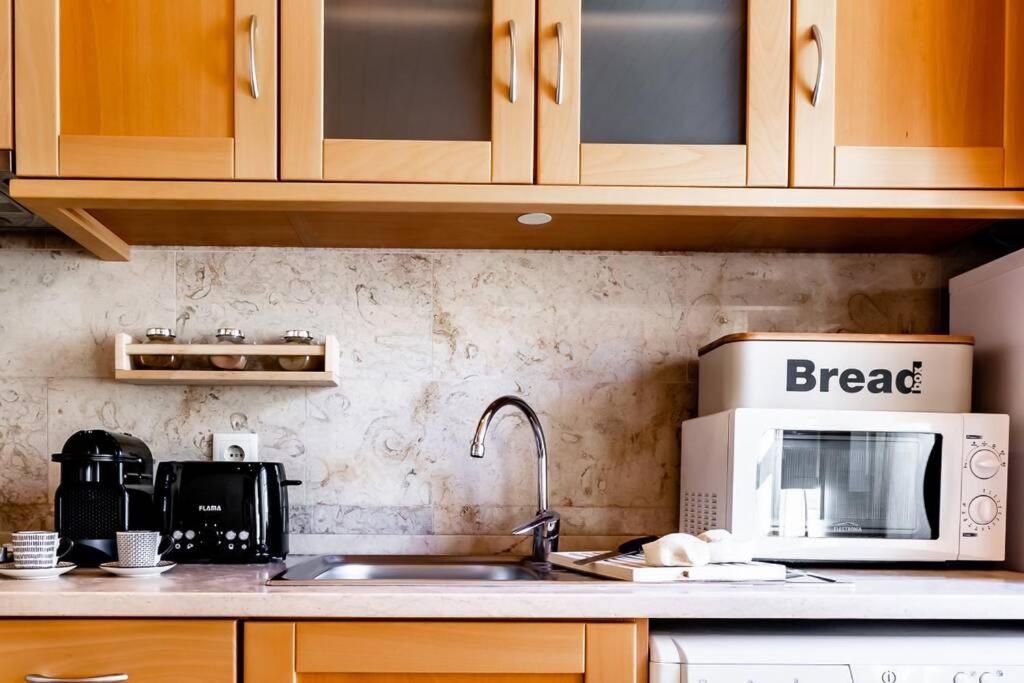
<point>545,526</point>
<point>477,448</point>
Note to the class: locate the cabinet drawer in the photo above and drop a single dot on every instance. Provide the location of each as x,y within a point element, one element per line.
<point>147,651</point>
<point>440,647</point>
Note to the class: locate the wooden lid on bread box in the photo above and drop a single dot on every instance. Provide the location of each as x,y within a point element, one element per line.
<point>900,372</point>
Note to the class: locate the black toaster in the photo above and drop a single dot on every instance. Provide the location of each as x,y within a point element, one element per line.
<point>106,486</point>
<point>230,512</point>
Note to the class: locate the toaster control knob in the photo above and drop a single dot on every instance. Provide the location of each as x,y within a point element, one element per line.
<point>985,463</point>
<point>983,510</point>
<point>230,535</point>
<point>244,535</point>
<point>177,534</point>
<point>190,534</point>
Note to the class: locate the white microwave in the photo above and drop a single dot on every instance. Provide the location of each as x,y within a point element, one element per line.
<point>849,486</point>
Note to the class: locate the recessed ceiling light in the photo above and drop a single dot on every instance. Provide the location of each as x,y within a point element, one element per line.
<point>535,218</point>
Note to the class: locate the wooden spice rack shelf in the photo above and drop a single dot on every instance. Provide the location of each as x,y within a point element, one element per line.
<point>125,347</point>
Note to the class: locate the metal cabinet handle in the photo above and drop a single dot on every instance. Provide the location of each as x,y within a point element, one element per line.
<point>513,66</point>
<point>112,678</point>
<point>559,89</point>
<point>254,83</point>
<point>816,93</point>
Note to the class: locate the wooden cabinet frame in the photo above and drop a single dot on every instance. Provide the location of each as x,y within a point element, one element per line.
<point>455,651</point>
<point>43,150</point>
<point>307,155</point>
<point>762,161</point>
<point>6,74</point>
<point>818,158</point>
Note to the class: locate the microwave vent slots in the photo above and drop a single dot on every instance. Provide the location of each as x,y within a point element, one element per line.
<point>700,512</point>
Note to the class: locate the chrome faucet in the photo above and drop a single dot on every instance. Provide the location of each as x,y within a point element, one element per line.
<point>545,525</point>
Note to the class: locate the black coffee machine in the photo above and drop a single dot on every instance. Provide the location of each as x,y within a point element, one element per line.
<point>106,486</point>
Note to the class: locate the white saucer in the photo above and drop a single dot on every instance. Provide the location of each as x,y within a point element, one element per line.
<point>9,570</point>
<point>138,572</point>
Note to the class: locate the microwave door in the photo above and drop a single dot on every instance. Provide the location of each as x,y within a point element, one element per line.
<point>835,486</point>
<point>852,484</point>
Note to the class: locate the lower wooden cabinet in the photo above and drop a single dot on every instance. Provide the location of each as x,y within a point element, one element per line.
<point>443,652</point>
<point>145,651</point>
<point>206,651</point>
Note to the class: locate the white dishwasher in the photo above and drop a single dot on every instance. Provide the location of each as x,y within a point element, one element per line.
<point>865,652</point>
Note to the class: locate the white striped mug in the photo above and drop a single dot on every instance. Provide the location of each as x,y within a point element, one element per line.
<point>39,549</point>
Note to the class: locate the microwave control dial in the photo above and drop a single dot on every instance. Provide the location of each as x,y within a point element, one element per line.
<point>985,463</point>
<point>983,510</point>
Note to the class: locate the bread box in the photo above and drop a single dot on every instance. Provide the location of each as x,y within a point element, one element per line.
<point>904,372</point>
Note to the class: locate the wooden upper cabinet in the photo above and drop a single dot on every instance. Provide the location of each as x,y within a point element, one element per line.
<point>407,90</point>
<point>663,92</point>
<point>911,93</point>
<point>146,88</point>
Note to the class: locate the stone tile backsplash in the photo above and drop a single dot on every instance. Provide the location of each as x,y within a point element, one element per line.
<point>602,345</point>
<point>24,497</point>
<point>377,304</point>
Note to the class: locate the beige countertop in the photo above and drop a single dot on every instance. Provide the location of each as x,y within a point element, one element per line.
<point>240,591</point>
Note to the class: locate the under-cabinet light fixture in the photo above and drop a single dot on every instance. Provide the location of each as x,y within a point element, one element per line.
<point>535,218</point>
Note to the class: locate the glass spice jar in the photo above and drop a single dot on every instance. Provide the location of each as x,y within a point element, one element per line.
<point>229,335</point>
<point>297,363</point>
<point>159,335</point>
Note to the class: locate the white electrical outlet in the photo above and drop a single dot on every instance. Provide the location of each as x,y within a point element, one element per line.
<point>236,447</point>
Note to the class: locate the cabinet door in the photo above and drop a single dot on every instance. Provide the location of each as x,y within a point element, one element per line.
<point>146,88</point>
<point>910,93</point>
<point>407,90</point>
<point>663,92</point>
<point>143,651</point>
<point>442,652</point>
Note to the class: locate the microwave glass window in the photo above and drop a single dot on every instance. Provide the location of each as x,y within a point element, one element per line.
<point>850,484</point>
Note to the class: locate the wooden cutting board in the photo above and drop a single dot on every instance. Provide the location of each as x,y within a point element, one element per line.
<point>633,568</point>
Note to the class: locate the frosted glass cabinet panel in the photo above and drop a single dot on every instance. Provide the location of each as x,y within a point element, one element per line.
<point>403,70</point>
<point>664,72</point>
<point>408,90</point>
<point>663,92</point>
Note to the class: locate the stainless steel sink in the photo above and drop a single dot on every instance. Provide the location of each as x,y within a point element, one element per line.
<point>348,569</point>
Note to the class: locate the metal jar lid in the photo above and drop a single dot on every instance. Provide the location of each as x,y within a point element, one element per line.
<point>232,333</point>
<point>298,335</point>
<point>160,332</point>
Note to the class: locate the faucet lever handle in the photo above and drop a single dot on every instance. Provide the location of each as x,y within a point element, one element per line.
<point>547,518</point>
